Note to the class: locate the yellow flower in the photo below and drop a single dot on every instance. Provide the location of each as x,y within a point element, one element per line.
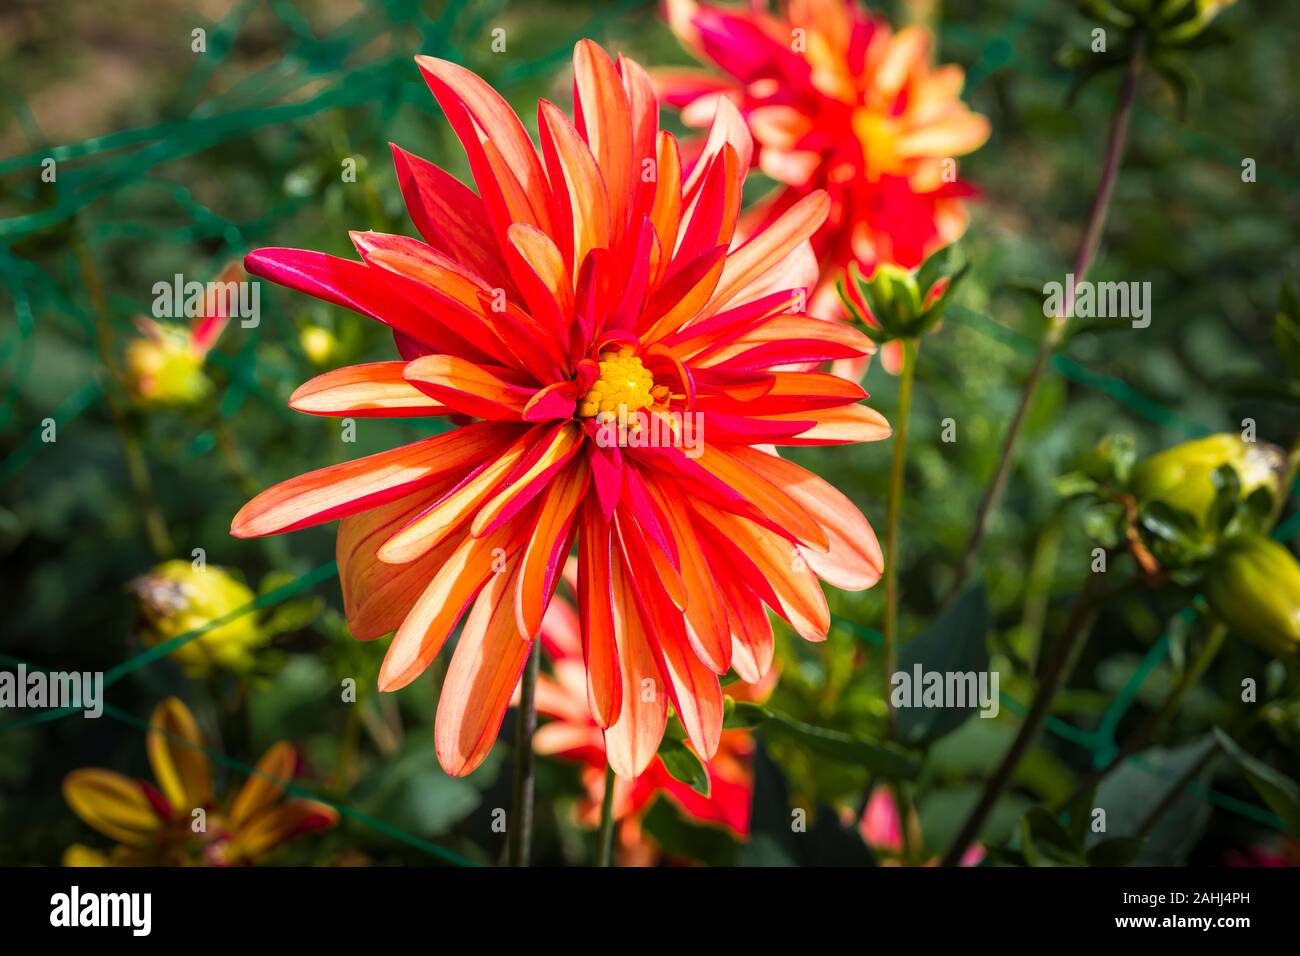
<point>176,598</point>
<point>178,821</point>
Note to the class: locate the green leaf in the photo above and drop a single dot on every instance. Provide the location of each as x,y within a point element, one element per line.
<point>877,757</point>
<point>742,715</point>
<point>1279,791</point>
<point>1286,328</point>
<point>940,264</point>
<point>682,764</point>
<point>1043,836</point>
<point>954,642</point>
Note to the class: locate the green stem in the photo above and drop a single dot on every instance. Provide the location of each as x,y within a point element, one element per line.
<point>520,835</point>
<point>1059,667</point>
<point>1150,729</point>
<point>906,380</point>
<point>127,426</point>
<point>1083,259</point>
<point>605,842</point>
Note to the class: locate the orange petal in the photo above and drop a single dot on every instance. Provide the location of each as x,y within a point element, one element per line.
<point>606,121</point>
<point>595,609</point>
<point>433,526</point>
<point>632,742</point>
<point>484,670</point>
<point>468,387</point>
<point>853,561</point>
<point>548,546</point>
<point>441,605</point>
<point>837,426</point>
<point>375,390</point>
<point>575,170</point>
<point>354,486</point>
<point>747,264</point>
<point>377,596</point>
<point>265,785</point>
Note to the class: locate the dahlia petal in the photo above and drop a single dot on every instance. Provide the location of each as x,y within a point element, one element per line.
<point>265,785</point>
<point>683,294</point>
<point>558,400</point>
<point>353,486</point>
<point>799,597</point>
<point>666,213</point>
<point>175,748</point>
<point>752,646</point>
<point>540,463</point>
<point>694,688</point>
<point>113,804</point>
<point>766,249</point>
<point>280,823</point>
<point>708,629</point>
<point>853,560</point>
<point>441,605</point>
<point>447,514</point>
<point>468,387</point>
<point>735,467</point>
<point>484,670</point>
<point>543,557</point>
<point>838,426</point>
<point>451,83</point>
<point>955,135</point>
<point>575,173</point>
<point>546,285</point>
<point>449,215</point>
<point>728,130</point>
<point>632,741</point>
<point>374,390</point>
<point>595,594</point>
<point>353,286</point>
<point>377,596</point>
<point>605,121</point>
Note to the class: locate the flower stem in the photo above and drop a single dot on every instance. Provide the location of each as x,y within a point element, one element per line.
<point>906,380</point>
<point>605,842</point>
<point>1150,728</point>
<point>1083,259</point>
<point>1059,666</point>
<point>520,835</point>
<point>137,467</point>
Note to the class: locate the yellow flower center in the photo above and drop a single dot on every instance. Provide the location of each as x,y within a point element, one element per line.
<point>624,383</point>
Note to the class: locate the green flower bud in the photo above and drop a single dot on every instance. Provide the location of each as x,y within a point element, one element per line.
<point>1253,585</point>
<point>176,598</point>
<point>1183,476</point>
<point>163,369</point>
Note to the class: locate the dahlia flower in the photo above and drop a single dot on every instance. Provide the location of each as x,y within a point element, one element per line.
<point>161,826</point>
<point>591,307</point>
<point>571,733</point>
<point>838,101</point>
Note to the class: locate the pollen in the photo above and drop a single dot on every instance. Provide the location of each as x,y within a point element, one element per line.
<point>624,382</point>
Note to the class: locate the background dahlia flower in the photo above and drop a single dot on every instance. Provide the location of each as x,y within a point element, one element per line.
<point>591,277</point>
<point>837,100</point>
<point>157,825</point>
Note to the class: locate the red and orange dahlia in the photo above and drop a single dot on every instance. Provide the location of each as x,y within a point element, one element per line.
<point>591,307</point>
<point>837,101</point>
